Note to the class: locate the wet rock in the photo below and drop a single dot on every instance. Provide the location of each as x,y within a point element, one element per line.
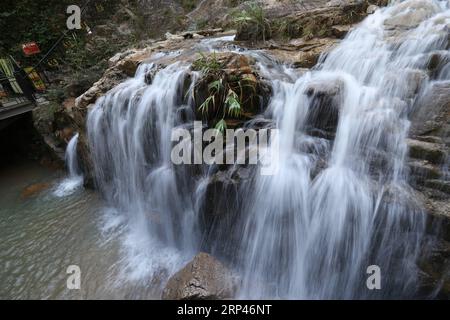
<point>432,110</point>
<point>203,278</point>
<point>438,222</point>
<point>440,185</point>
<point>407,84</point>
<point>372,8</point>
<point>318,21</point>
<point>433,152</point>
<point>324,104</point>
<point>341,31</point>
<point>34,189</point>
<point>422,170</point>
<point>221,207</point>
<point>435,267</point>
<point>436,62</point>
<point>173,37</point>
<point>431,139</point>
<point>85,160</point>
<point>201,33</point>
<point>303,53</point>
<point>307,59</point>
<point>220,194</point>
<point>129,66</point>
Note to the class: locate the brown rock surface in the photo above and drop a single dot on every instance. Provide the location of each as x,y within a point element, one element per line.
<point>203,278</point>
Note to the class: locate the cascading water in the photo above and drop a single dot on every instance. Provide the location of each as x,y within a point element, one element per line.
<point>71,157</point>
<point>75,179</point>
<point>129,133</point>
<point>315,238</point>
<point>334,207</point>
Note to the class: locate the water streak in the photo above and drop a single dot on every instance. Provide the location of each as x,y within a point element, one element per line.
<point>75,179</point>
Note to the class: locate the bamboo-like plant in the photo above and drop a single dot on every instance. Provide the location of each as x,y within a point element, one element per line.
<point>221,91</point>
<point>254,15</point>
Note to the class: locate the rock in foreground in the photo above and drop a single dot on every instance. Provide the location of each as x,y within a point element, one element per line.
<point>203,278</point>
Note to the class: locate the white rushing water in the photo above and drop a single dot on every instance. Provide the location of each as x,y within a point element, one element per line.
<point>304,232</point>
<point>75,179</point>
<point>129,132</point>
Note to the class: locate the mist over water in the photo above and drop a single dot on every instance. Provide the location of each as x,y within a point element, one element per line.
<point>333,208</point>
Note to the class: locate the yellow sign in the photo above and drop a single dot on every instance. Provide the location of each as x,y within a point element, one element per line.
<point>35,78</point>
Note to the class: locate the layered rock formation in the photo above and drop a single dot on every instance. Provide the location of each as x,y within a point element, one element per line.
<point>299,42</point>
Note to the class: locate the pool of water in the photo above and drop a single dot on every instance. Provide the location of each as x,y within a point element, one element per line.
<point>47,225</point>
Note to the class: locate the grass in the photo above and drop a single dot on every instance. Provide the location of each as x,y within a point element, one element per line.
<point>253,16</point>
<point>222,91</point>
<point>207,64</point>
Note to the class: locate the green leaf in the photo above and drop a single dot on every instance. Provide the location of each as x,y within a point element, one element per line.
<point>221,126</point>
<point>205,105</point>
<point>232,102</point>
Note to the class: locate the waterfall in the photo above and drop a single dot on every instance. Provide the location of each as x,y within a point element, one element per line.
<point>129,132</point>
<point>71,157</point>
<point>309,236</point>
<point>334,208</point>
<point>75,179</point>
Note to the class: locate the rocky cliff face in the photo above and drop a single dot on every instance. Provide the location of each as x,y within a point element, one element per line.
<point>300,49</point>
<point>297,38</point>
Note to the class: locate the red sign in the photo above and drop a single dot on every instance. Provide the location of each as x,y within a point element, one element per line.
<point>30,48</point>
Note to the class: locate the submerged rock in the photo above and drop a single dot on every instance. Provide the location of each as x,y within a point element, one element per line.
<point>203,278</point>
<point>34,189</point>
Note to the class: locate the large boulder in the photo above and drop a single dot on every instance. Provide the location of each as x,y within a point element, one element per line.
<point>203,278</point>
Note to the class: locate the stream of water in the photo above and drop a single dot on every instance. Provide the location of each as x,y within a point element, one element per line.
<point>301,233</point>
